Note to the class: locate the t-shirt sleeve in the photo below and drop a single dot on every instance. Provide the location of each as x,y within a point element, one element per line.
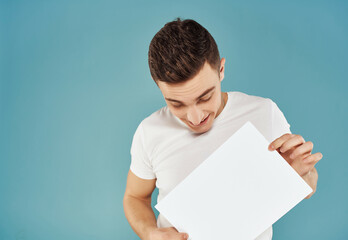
<point>280,125</point>
<point>140,162</point>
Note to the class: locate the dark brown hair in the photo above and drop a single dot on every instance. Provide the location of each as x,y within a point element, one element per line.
<point>179,50</point>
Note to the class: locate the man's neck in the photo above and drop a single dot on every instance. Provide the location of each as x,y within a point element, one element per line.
<point>224,98</point>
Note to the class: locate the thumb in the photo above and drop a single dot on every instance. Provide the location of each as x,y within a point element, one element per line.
<point>184,236</point>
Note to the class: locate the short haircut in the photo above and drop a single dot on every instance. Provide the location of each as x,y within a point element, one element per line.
<point>179,51</point>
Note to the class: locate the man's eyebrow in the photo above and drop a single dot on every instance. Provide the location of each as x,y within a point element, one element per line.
<point>202,95</point>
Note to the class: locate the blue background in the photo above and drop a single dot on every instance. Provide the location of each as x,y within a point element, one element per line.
<point>75,84</point>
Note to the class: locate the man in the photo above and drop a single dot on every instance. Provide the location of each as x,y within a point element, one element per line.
<point>185,64</point>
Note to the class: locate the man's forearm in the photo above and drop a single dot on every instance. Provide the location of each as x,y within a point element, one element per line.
<point>140,215</point>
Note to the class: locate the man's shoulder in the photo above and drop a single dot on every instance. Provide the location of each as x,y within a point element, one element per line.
<point>157,116</point>
<point>160,119</point>
<point>242,98</point>
<point>156,127</point>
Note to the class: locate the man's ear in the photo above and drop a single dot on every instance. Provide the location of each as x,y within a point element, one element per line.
<point>222,69</point>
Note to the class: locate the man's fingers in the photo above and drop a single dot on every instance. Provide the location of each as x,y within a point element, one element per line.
<point>279,141</point>
<point>313,157</point>
<point>295,140</point>
<point>307,147</point>
<point>181,236</point>
<point>178,236</point>
<point>302,167</point>
<point>184,236</point>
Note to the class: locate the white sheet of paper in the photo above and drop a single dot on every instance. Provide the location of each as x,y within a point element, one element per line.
<point>238,192</point>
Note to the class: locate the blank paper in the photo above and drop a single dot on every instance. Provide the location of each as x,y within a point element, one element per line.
<point>238,192</point>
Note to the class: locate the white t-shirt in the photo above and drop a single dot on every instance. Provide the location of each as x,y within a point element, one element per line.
<point>165,148</point>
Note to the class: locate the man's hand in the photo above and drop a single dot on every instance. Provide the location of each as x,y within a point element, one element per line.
<point>169,233</point>
<point>297,152</point>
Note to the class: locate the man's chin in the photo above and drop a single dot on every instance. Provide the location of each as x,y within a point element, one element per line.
<point>202,129</point>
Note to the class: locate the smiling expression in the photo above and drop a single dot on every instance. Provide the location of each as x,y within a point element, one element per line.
<point>197,101</point>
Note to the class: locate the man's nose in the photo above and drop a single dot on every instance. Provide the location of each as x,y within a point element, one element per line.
<point>195,115</point>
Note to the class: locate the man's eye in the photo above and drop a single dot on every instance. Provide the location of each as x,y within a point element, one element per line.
<point>205,100</point>
<point>200,100</point>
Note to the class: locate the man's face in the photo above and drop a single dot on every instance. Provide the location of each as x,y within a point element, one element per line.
<point>198,101</point>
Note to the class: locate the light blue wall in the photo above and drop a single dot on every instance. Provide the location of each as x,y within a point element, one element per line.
<point>75,84</point>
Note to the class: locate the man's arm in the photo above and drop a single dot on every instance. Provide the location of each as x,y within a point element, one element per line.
<point>137,205</point>
<point>139,213</point>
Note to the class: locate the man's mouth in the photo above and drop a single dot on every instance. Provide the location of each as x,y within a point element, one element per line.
<point>204,121</point>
